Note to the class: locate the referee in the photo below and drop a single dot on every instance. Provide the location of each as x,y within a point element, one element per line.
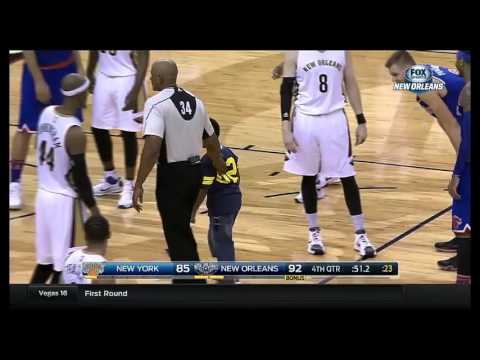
<point>175,124</point>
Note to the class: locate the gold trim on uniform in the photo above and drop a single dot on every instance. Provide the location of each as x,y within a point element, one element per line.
<point>208,180</point>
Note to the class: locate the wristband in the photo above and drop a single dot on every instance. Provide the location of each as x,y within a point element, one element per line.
<point>361,119</point>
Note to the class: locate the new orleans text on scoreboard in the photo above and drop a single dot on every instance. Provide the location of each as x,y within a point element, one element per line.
<point>220,270</point>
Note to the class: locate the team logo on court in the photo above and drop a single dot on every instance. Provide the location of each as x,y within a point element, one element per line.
<point>92,270</point>
<point>419,79</point>
<point>206,268</point>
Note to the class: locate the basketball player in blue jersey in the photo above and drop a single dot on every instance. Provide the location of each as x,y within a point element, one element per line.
<point>443,105</point>
<point>460,184</point>
<point>42,75</point>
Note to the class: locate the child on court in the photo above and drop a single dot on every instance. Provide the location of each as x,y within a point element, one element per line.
<point>224,200</point>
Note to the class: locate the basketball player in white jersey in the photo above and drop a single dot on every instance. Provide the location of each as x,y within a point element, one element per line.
<point>321,183</point>
<point>118,93</point>
<point>97,233</point>
<point>319,140</point>
<point>62,177</point>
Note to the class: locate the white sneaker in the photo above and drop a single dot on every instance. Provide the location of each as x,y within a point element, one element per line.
<point>108,186</point>
<point>126,199</point>
<point>315,242</point>
<point>320,183</point>
<point>15,196</point>
<point>364,247</point>
<point>320,195</point>
<point>333,181</point>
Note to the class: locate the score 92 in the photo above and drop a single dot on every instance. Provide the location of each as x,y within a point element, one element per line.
<point>294,268</point>
<point>182,268</point>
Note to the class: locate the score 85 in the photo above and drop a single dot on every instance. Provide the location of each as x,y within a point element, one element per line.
<point>182,268</point>
<point>294,268</point>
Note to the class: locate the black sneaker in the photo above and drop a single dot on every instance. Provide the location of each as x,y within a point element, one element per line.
<point>449,264</point>
<point>447,246</point>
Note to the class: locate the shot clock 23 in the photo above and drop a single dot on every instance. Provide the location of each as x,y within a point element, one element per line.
<point>387,268</point>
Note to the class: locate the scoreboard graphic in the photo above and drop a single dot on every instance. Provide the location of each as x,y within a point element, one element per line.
<point>221,270</point>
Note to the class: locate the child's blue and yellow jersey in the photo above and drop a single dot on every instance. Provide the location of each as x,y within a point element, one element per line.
<point>224,196</point>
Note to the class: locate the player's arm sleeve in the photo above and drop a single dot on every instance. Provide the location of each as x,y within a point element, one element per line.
<point>76,143</point>
<point>153,121</point>
<point>288,82</point>
<point>82,181</point>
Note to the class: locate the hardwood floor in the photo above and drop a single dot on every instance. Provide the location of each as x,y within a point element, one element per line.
<point>403,170</point>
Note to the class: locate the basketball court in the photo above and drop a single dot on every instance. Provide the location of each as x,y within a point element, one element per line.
<point>403,170</point>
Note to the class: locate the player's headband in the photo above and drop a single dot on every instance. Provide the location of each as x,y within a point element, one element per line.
<point>463,55</point>
<point>78,90</point>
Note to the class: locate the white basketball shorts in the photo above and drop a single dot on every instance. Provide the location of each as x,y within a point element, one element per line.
<point>324,146</point>
<point>109,97</point>
<point>55,227</point>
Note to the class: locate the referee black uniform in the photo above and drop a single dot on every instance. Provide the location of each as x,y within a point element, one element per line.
<point>181,120</point>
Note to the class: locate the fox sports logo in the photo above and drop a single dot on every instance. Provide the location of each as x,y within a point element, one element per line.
<point>418,74</point>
